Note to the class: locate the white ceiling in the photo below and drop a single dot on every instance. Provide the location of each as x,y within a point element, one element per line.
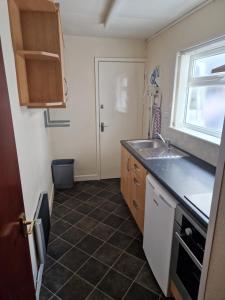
<point>130,18</point>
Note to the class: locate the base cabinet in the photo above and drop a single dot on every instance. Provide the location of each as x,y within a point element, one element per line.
<point>133,176</point>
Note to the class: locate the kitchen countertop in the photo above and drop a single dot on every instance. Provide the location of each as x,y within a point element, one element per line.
<point>185,177</point>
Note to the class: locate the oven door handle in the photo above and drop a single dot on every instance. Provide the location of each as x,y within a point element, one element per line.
<point>188,250</point>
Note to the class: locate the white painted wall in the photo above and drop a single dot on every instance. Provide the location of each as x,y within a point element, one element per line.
<point>202,26</point>
<point>79,141</point>
<point>32,139</point>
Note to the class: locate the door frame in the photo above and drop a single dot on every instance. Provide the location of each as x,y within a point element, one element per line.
<point>97,101</point>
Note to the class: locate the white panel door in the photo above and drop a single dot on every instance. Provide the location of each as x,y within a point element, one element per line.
<point>121,86</point>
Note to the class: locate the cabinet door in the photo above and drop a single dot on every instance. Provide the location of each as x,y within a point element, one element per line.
<point>138,200</point>
<point>125,175</point>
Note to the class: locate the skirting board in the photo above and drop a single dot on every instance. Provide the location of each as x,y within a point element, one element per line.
<point>86,177</point>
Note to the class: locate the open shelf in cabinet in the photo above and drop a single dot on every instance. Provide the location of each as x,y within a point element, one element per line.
<point>37,42</point>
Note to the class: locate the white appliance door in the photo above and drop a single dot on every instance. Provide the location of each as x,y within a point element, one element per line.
<point>158,232</point>
<point>121,86</point>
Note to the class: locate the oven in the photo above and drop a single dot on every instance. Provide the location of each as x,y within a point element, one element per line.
<point>187,256</point>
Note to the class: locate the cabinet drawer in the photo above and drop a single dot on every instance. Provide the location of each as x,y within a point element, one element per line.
<point>137,169</point>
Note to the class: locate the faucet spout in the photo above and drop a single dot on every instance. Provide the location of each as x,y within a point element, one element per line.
<point>161,138</point>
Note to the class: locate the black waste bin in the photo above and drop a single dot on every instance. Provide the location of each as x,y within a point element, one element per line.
<point>63,173</point>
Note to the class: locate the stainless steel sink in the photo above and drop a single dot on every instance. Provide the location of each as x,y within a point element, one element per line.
<point>155,149</point>
<point>145,144</point>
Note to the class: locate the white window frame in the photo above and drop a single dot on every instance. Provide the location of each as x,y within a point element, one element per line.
<point>184,80</point>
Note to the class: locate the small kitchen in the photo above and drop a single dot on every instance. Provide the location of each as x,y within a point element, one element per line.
<point>117,110</point>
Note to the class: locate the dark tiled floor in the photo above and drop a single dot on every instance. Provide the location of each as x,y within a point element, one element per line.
<point>95,250</point>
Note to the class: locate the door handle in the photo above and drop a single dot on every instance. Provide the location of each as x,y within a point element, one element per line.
<point>102,126</point>
<point>24,225</point>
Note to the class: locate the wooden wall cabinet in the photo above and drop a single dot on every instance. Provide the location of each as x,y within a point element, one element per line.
<point>38,48</point>
<point>133,183</point>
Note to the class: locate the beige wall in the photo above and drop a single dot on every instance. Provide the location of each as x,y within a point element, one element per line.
<point>32,141</point>
<point>202,26</point>
<point>79,141</point>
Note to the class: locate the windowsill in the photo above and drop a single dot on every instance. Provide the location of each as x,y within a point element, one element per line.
<point>199,135</point>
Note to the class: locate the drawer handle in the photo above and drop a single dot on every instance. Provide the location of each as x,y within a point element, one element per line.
<point>128,165</point>
<point>135,204</point>
<point>136,182</point>
<point>136,167</point>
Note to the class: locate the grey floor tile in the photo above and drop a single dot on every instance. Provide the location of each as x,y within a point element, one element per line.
<point>85,208</point>
<point>73,217</point>
<point>83,196</point>
<point>57,248</point>
<point>89,244</point>
<point>93,271</point>
<point>74,259</point>
<point>136,248</point>
<point>72,202</point>
<point>115,285</point>
<point>129,228</point>
<point>60,227</point>
<point>56,277</point>
<point>103,231</point>
<point>147,279</point>
<point>60,211</point>
<point>75,289</point>
<point>113,221</point>
<point>87,224</point>
<point>107,254</point>
<point>95,201</point>
<point>45,294</point>
<point>120,240</point>
<point>73,235</point>
<point>99,214</point>
<point>98,295</point>
<point>137,292</point>
<point>49,262</point>
<point>108,206</point>
<point>129,265</point>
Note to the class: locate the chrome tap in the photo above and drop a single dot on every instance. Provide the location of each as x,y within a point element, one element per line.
<point>165,141</point>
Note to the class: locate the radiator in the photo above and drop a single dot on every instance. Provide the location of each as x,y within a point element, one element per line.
<point>41,236</point>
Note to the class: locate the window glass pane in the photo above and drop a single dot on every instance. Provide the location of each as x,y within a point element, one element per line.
<point>204,66</point>
<point>206,107</point>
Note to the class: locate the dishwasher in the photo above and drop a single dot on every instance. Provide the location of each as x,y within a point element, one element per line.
<point>158,231</point>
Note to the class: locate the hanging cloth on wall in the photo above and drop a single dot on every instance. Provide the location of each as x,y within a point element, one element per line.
<point>156,120</point>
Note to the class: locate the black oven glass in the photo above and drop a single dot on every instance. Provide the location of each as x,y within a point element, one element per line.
<point>188,273</point>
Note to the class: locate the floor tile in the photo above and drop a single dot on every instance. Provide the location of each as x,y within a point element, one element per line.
<point>73,235</point>
<point>99,214</point>
<point>75,289</point>
<point>101,184</point>
<point>105,194</point>
<point>120,240</point>
<point>60,211</point>
<point>107,254</point>
<point>89,244</point>
<point>45,294</point>
<point>129,228</point>
<point>122,211</point>
<point>49,262</point>
<point>87,224</point>
<point>93,271</point>
<point>60,198</point>
<point>115,285</point>
<point>84,208</point>
<point>113,221</point>
<point>60,227</point>
<point>72,202</point>
<point>73,217</point>
<point>137,292</point>
<point>53,219</point>
<point>57,248</point>
<point>98,295</point>
<point>136,249</point>
<point>117,198</point>
<point>74,259</point>
<point>52,237</point>
<point>94,201</point>
<point>93,190</point>
<point>129,265</point>
<point>147,279</point>
<point>108,206</point>
<point>84,196</point>
<point>56,277</point>
<point>103,231</point>
<point>114,188</point>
